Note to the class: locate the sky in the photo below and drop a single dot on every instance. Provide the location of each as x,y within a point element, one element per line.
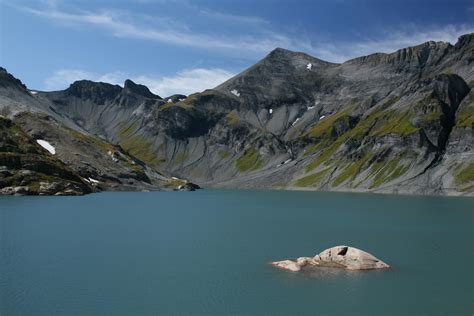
<point>186,46</point>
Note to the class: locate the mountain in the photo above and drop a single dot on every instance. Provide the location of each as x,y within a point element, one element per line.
<point>94,161</point>
<point>27,168</point>
<point>389,123</point>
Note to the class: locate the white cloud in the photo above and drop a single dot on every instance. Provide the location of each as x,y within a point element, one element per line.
<point>116,77</point>
<point>395,40</point>
<point>64,77</point>
<point>263,38</point>
<point>389,41</point>
<point>184,82</point>
<point>123,24</point>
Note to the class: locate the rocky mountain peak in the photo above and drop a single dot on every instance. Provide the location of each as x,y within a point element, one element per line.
<point>294,58</point>
<point>9,81</point>
<point>97,91</point>
<point>279,52</point>
<point>398,123</point>
<point>407,59</point>
<point>131,87</point>
<point>283,76</point>
<point>465,40</point>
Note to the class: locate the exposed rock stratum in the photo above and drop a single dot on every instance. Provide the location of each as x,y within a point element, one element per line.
<point>385,123</point>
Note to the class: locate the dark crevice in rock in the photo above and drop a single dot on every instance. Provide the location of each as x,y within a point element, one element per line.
<point>450,99</point>
<point>424,140</point>
<point>454,96</point>
<point>343,251</point>
<point>433,163</point>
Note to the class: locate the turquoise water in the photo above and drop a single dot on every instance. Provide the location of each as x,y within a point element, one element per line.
<point>206,252</point>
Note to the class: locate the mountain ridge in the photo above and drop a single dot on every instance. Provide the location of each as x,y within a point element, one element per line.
<point>386,123</point>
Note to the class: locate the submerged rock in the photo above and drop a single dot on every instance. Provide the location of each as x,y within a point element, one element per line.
<point>288,265</point>
<point>344,257</point>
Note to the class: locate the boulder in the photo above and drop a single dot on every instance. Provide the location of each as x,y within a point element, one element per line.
<point>351,258</point>
<point>48,188</point>
<point>287,265</point>
<point>343,257</point>
<point>15,190</point>
<point>188,186</point>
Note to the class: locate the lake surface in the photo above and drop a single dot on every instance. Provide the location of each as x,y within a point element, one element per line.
<point>206,252</point>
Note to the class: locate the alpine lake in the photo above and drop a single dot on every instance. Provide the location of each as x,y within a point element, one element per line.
<point>207,253</point>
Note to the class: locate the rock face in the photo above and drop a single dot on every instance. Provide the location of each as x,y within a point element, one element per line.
<point>28,169</point>
<point>350,258</point>
<point>81,164</point>
<point>387,123</point>
<point>87,155</point>
<point>344,257</point>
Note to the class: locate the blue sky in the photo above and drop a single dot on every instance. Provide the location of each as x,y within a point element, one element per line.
<point>183,46</point>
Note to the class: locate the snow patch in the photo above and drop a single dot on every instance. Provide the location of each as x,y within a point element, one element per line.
<point>284,162</point>
<point>169,101</point>
<point>93,180</point>
<point>180,100</point>
<point>46,146</point>
<point>309,66</point>
<point>322,117</point>
<point>33,92</point>
<point>270,111</point>
<point>311,107</point>
<point>236,93</point>
<point>297,119</point>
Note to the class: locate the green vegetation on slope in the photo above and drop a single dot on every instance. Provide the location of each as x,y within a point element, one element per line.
<point>137,145</point>
<point>190,100</point>
<point>377,123</point>
<point>464,177</point>
<point>223,153</point>
<point>28,164</point>
<point>465,118</point>
<point>312,179</point>
<point>232,118</point>
<point>325,127</point>
<point>89,139</point>
<point>387,171</point>
<point>325,154</point>
<point>249,161</point>
<point>351,171</point>
<point>180,158</point>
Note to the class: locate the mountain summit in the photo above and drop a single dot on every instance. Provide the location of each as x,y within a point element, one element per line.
<point>392,123</point>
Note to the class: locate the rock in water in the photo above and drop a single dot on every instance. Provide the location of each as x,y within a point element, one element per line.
<point>344,257</point>
<point>288,265</point>
<point>350,258</point>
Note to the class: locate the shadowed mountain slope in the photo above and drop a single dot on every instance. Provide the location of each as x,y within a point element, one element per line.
<point>392,123</point>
